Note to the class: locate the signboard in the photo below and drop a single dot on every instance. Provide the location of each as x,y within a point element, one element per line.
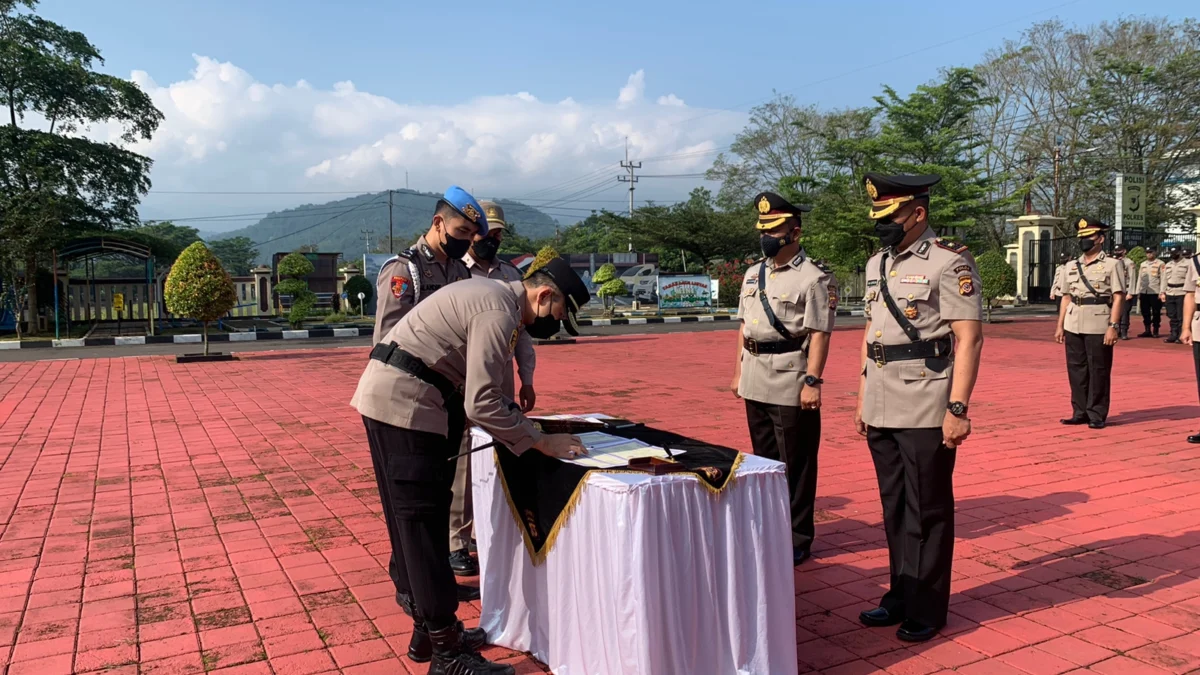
<point>118,302</point>
<point>1131,201</point>
<point>684,291</point>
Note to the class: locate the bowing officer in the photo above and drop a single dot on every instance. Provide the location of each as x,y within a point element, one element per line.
<point>1150,292</point>
<point>1088,321</point>
<point>787,308</point>
<point>445,358</point>
<point>483,263</point>
<point>434,261</point>
<point>914,393</point>
<point>1130,271</point>
<point>1191,321</point>
<point>1174,276</point>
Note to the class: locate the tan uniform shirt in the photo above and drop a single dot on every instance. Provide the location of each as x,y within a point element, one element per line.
<point>1150,277</point>
<point>1056,290</point>
<point>1192,285</point>
<point>407,279</point>
<point>804,298</point>
<point>468,334</point>
<point>933,283</point>
<point>526,359</point>
<point>1174,276</point>
<point>1131,276</point>
<point>1107,277</point>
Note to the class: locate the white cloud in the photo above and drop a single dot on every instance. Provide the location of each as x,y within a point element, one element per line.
<point>223,130</point>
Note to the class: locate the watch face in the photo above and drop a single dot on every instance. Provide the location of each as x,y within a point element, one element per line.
<point>957,408</point>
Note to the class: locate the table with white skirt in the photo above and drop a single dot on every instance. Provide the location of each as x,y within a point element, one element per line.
<point>648,574</point>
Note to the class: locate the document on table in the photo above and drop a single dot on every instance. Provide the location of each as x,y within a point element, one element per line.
<point>606,451</point>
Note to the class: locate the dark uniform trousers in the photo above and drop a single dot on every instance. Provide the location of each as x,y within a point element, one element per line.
<point>1151,312</point>
<point>413,474</point>
<point>1089,369</point>
<point>1175,315</point>
<point>915,471</point>
<point>1123,321</point>
<point>792,435</point>
<point>1196,362</point>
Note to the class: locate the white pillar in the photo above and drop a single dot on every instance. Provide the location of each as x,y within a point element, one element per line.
<point>1030,229</point>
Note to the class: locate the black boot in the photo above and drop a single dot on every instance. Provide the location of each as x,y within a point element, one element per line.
<point>420,647</point>
<point>452,657</point>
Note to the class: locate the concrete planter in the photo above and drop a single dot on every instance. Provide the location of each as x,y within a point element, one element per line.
<point>203,358</point>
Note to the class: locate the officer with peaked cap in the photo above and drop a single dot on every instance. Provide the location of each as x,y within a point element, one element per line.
<point>787,308</point>
<point>1150,289</point>
<point>1056,290</point>
<point>1130,272</point>
<point>434,261</point>
<point>1174,276</point>
<point>1088,324</point>
<point>418,376</point>
<point>920,357</point>
<point>483,263</point>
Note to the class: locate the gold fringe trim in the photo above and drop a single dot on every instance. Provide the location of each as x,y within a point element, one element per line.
<point>539,556</point>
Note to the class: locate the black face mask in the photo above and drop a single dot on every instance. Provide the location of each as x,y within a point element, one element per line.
<point>890,232</point>
<point>544,327</point>
<point>485,249</point>
<point>453,247</point>
<point>1086,244</point>
<point>772,245</point>
<point>1176,256</point>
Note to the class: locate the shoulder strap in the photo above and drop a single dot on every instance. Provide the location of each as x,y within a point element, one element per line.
<point>414,271</point>
<point>905,325</point>
<point>1084,279</point>
<point>762,296</point>
<point>1196,263</point>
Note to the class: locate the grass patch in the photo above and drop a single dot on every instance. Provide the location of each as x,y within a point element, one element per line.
<point>223,618</point>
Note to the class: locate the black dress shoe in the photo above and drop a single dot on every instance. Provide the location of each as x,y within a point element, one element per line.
<point>1172,341</point>
<point>1074,421</point>
<point>1194,439</point>
<point>799,555</point>
<point>473,547</point>
<point>879,617</point>
<point>1146,334</point>
<point>467,593</point>
<point>420,647</point>
<point>912,631</point>
<point>1096,425</point>
<point>463,564</point>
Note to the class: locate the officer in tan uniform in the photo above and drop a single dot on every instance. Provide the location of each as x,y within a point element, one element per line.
<point>787,309</point>
<point>434,261</point>
<point>1174,276</point>
<point>1191,321</point>
<point>443,362</point>
<point>1150,292</point>
<point>1088,321</point>
<point>1130,272</point>
<point>1056,289</point>
<point>482,262</point>
<point>920,357</point>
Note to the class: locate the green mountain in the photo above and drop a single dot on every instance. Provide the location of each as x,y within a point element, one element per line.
<point>339,225</point>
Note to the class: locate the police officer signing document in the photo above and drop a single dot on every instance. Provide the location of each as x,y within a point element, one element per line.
<point>914,394</point>
<point>443,362</point>
<point>787,308</point>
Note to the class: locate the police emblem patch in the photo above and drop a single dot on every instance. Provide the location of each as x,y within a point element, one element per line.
<point>512,342</point>
<point>966,286</point>
<point>910,312</point>
<point>470,212</point>
<point>399,286</point>
<point>871,191</point>
<point>833,298</point>
<point>763,205</point>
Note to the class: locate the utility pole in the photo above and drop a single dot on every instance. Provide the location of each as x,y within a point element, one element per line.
<point>631,179</point>
<point>366,238</point>
<point>406,180</point>
<point>391,243</point>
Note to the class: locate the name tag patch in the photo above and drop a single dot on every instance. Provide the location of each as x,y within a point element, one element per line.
<point>872,282</point>
<point>915,279</point>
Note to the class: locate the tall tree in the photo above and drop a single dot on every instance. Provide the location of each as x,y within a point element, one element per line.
<point>696,226</point>
<point>52,180</point>
<point>237,254</point>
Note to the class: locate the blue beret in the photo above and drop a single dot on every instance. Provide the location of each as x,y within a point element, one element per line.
<point>462,201</point>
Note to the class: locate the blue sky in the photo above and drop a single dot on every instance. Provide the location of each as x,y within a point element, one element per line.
<point>418,61</point>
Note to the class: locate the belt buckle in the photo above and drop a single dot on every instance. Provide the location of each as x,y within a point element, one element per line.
<point>877,353</point>
<point>751,346</point>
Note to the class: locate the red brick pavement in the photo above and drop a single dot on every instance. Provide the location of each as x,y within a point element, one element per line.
<point>159,518</point>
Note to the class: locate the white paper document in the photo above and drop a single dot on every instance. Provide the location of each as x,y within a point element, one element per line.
<point>606,451</point>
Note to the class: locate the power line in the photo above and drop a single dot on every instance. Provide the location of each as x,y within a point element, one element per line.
<point>305,229</point>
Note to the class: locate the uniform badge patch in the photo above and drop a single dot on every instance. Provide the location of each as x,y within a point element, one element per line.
<point>962,268</point>
<point>399,286</point>
<point>512,342</point>
<point>872,282</point>
<point>910,312</point>
<point>966,286</point>
<point>915,279</point>
<point>833,298</point>
<point>923,248</point>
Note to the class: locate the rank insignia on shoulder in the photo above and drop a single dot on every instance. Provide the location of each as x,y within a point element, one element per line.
<point>833,298</point>
<point>954,247</point>
<point>923,248</point>
<point>966,287</point>
<point>399,286</point>
<point>798,260</point>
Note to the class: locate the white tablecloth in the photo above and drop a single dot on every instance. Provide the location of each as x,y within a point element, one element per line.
<point>649,575</point>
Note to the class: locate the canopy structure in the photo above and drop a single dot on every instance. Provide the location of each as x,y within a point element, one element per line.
<point>89,248</point>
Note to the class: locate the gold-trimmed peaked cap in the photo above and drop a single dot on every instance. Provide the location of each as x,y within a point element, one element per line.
<point>495,215</point>
<point>889,193</point>
<point>1086,227</point>
<point>576,292</point>
<point>773,210</point>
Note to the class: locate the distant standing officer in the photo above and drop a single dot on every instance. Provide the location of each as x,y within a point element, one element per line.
<point>1174,276</point>
<point>787,309</point>
<point>1130,272</point>
<point>1150,289</point>
<point>1191,319</point>
<point>1088,321</point>
<point>1056,289</point>
<point>483,263</point>
<point>434,261</point>
<point>913,395</point>
<point>413,394</point>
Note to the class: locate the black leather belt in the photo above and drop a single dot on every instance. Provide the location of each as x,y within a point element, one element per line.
<point>774,347</point>
<point>925,349</point>
<point>398,358</point>
<point>1102,300</point>
<point>1174,285</point>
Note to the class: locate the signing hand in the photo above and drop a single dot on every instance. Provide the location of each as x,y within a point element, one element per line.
<point>955,430</point>
<point>528,397</point>
<point>810,397</point>
<point>1110,337</point>
<point>560,446</point>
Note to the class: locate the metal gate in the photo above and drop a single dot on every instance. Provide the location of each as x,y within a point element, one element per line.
<point>1043,254</point>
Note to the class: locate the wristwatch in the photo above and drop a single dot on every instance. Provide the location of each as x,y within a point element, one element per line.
<point>1114,324</point>
<point>957,408</point>
<point>812,381</point>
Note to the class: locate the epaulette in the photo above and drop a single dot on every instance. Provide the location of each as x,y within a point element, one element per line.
<point>822,265</point>
<point>951,246</point>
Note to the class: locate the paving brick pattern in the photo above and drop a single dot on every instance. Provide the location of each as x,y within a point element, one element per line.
<point>165,519</point>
